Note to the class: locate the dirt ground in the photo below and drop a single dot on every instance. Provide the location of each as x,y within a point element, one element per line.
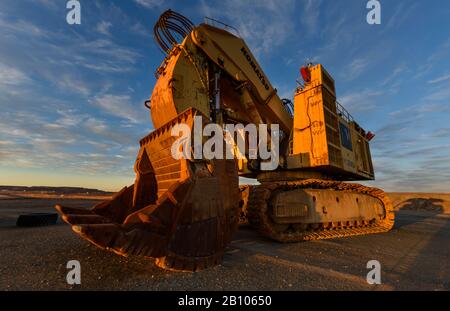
<point>415,255</point>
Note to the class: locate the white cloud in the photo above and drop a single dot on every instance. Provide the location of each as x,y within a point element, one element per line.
<point>107,67</point>
<point>357,67</point>
<point>96,126</point>
<point>13,81</point>
<point>104,28</point>
<point>439,79</point>
<point>21,27</point>
<point>119,106</point>
<point>69,118</point>
<point>443,94</point>
<point>360,101</point>
<point>310,16</point>
<point>5,143</point>
<point>149,3</point>
<point>140,29</point>
<point>50,4</point>
<point>10,76</point>
<point>107,134</point>
<point>420,110</point>
<point>440,53</point>
<point>107,48</point>
<point>394,74</point>
<point>400,15</point>
<point>68,82</point>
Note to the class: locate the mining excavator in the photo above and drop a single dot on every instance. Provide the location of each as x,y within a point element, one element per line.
<point>183,211</point>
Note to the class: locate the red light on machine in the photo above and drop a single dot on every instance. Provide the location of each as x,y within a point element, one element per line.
<point>306,74</point>
<point>369,136</point>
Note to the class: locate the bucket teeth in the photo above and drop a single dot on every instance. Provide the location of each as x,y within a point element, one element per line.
<point>102,235</point>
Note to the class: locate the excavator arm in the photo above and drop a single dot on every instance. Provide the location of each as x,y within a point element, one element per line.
<point>232,55</point>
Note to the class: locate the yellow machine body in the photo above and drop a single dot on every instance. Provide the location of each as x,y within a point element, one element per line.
<point>183,211</point>
<point>325,136</point>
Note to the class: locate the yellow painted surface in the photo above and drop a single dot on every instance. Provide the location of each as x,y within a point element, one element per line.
<point>320,126</point>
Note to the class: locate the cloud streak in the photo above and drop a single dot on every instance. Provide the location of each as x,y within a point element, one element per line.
<point>104,28</point>
<point>119,106</point>
<point>150,4</point>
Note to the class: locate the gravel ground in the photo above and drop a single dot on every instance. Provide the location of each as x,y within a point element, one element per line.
<point>414,256</point>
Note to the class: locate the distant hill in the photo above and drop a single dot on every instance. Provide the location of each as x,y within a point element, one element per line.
<point>54,190</point>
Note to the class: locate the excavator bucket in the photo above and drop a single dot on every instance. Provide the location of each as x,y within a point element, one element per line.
<point>181,212</point>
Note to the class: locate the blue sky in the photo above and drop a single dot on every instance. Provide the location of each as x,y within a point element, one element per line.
<point>71,96</point>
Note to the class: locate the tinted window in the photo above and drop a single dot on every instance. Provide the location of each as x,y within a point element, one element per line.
<point>346,138</point>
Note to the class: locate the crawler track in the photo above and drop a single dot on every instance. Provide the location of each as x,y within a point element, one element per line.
<point>258,212</point>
